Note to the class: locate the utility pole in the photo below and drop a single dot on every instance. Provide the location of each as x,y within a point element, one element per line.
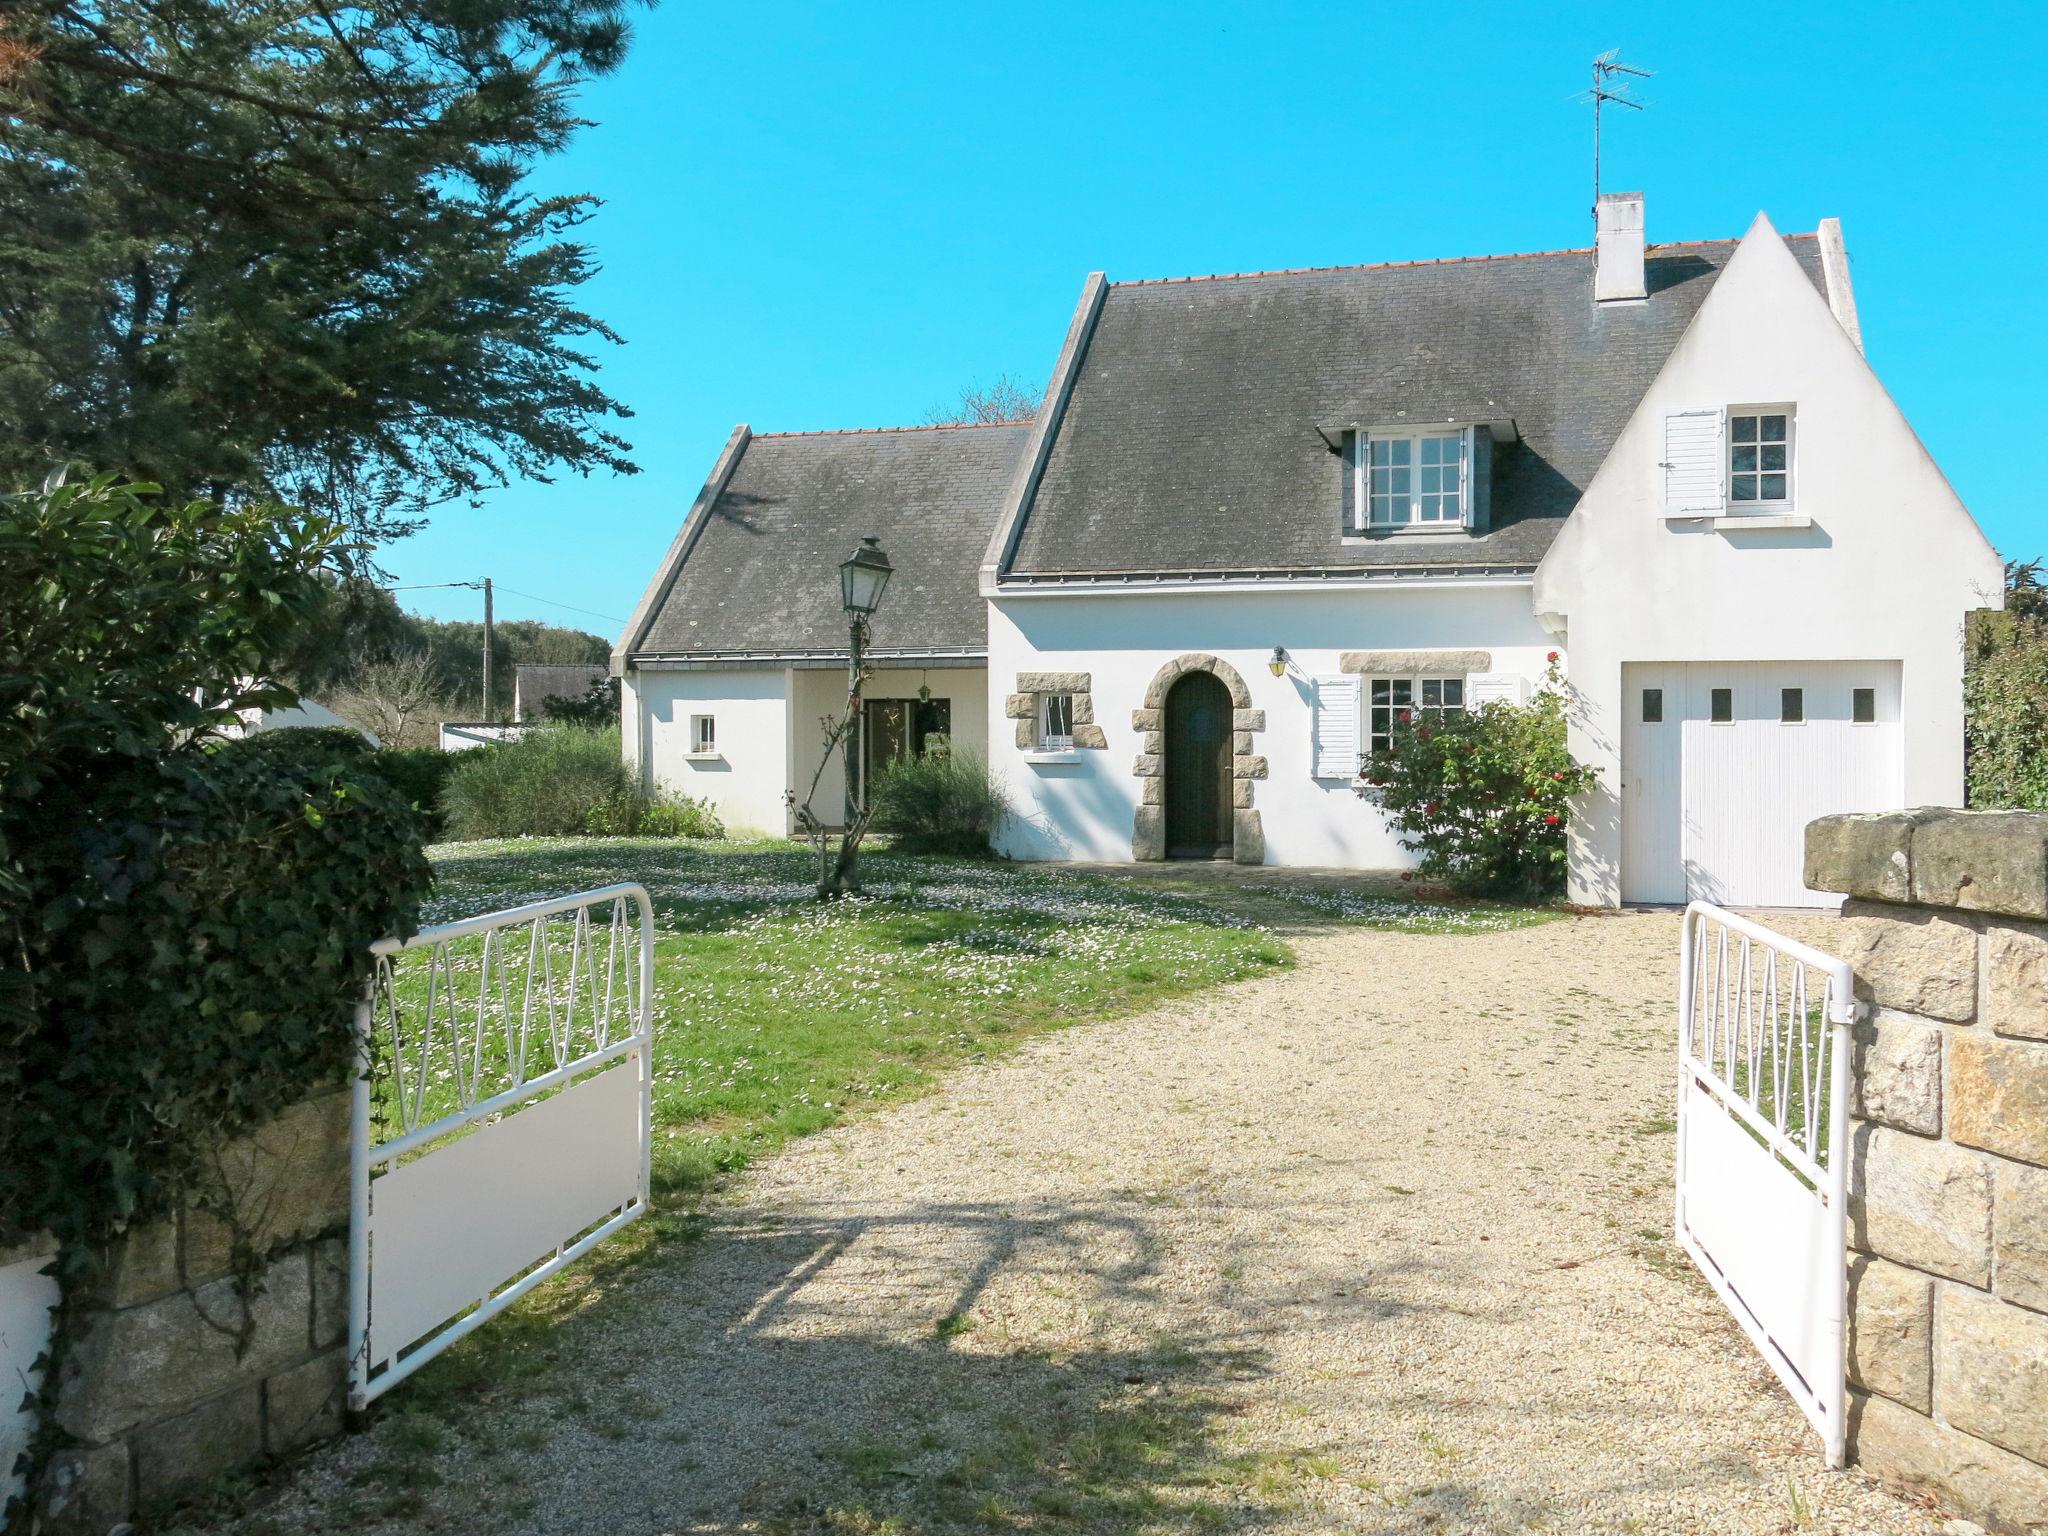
<point>487,650</point>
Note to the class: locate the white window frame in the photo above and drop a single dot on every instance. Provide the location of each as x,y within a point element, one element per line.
<point>703,736</point>
<point>1362,518</point>
<point>1729,447</point>
<point>1050,707</point>
<point>1417,684</point>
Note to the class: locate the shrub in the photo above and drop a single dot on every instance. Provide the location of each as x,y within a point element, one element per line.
<point>940,802</point>
<point>419,774</point>
<point>553,782</point>
<point>2005,697</point>
<point>560,781</point>
<point>672,815</point>
<point>1484,795</point>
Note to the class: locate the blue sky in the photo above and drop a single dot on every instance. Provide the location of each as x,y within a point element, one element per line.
<point>830,216</point>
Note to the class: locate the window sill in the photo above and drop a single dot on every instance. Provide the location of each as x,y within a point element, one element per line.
<point>1753,522</point>
<point>1761,522</point>
<point>1047,759</point>
<point>1404,531</point>
<point>703,757</point>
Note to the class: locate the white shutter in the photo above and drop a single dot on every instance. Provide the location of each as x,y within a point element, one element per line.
<point>1496,687</point>
<point>1693,455</point>
<point>1333,727</point>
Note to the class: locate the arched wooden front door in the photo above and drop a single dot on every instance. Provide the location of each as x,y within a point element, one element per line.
<point>1198,768</point>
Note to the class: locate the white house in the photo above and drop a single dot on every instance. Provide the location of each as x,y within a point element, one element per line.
<point>1260,515</point>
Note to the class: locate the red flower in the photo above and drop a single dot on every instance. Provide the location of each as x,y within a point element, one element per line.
<point>1429,809</point>
<point>1559,775</point>
<point>1407,874</point>
<point>1551,657</point>
<point>1552,819</point>
<point>1422,731</point>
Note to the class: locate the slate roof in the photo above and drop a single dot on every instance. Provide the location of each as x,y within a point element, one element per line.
<point>762,574</point>
<point>1190,443</point>
<point>534,681</point>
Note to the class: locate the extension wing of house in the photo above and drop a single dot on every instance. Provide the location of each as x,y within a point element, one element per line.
<point>1262,517</point>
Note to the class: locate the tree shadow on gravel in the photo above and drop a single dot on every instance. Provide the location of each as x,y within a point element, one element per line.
<point>809,1376</point>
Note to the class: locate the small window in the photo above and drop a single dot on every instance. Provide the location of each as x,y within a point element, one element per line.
<point>703,735</point>
<point>1415,481</point>
<point>1863,706</point>
<point>1396,700</point>
<point>1056,722</point>
<point>1791,706</point>
<point>1759,459</point>
<point>1721,706</point>
<point>1653,706</point>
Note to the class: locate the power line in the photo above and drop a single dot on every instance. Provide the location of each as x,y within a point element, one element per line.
<point>571,607</point>
<point>423,586</point>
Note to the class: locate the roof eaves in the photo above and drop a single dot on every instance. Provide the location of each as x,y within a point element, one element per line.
<point>1052,582</point>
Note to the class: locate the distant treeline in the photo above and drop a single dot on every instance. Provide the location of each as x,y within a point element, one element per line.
<point>364,626</point>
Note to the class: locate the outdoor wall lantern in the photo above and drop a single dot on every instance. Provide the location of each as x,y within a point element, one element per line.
<point>1278,665</point>
<point>862,580</point>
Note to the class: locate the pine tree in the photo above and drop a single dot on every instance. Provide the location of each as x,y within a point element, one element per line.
<point>280,248</point>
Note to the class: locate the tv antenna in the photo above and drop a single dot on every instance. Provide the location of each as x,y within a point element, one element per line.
<point>1610,84</point>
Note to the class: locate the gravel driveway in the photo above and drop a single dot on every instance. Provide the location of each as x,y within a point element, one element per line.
<point>1377,1245</point>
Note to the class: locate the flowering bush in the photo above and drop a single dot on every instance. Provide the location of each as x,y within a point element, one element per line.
<point>1484,795</point>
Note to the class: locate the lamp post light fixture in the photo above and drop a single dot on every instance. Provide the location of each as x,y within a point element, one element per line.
<point>1278,665</point>
<point>862,580</point>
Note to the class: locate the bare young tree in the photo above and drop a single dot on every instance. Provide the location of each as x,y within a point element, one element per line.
<point>837,876</point>
<point>1003,402</point>
<point>398,701</point>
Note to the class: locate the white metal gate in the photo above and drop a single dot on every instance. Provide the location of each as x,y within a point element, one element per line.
<point>1763,1188</point>
<point>501,1117</point>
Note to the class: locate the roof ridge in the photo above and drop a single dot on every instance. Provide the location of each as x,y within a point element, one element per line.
<point>1428,261</point>
<point>933,426</point>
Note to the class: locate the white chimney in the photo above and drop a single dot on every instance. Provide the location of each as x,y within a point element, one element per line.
<point>1618,251</point>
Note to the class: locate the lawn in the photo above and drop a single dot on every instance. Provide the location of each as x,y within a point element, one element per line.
<point>776,1015</point>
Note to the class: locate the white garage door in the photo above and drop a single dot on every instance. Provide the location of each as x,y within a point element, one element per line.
<point>1724,763</point>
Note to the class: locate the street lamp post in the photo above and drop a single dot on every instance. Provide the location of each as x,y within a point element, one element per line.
<point>862,580</point>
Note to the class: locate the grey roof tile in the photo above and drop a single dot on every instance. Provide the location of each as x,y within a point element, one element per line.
<point>1190,440</point>
<point>764,573</point>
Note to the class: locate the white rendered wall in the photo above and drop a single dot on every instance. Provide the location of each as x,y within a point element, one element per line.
<point>745,779</point>
<point>1084,809</point>
<point>27,1297</point>
<point>819,694</point>
<point>1886,573</point>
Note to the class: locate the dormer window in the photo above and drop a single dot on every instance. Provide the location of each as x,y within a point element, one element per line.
<point>1416,479</point>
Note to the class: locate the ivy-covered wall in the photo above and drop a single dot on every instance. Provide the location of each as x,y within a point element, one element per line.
<point>184,1361</point>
